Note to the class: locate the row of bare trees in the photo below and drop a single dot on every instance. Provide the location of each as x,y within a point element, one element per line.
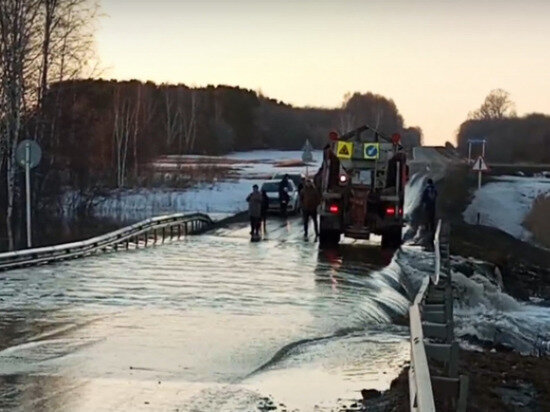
<point>134,106</point>
<point>121,126</point>
<point>40,41</point>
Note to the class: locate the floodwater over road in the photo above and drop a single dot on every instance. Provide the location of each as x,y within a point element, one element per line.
<point>209,323</point>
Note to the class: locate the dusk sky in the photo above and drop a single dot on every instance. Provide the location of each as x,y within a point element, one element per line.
<point>436,59</point>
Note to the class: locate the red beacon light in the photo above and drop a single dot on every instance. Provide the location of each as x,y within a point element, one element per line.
<point>396,138</point>
<point>333,136</point>
<point>333,209</point>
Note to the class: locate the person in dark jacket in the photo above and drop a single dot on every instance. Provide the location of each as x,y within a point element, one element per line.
<point>429,200</point>
<point>310,200</point>
<point>264,210</point>
<point>254,200</point>
<point>284,198</point>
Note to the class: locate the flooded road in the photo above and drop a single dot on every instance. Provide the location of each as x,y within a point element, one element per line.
<point>209,323</point>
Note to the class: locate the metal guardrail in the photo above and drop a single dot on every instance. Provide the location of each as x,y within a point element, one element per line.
<point>420,385</point>
<point>144,232</point>
<point>432,339</point>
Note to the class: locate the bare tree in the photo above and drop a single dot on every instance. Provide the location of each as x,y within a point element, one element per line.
<point>346,117</point>
<point>136,129</point>
<point>38,39</point>
<point>497,105</point>
<point>172,125</point>
<point>18,40</point>
<point>126,113</point>
<point>189,123</point>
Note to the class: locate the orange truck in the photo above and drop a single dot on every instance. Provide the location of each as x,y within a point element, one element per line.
<point>362,181</point>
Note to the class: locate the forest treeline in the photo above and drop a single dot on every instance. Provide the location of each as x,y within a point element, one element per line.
<point>512,139</point>
<point>509,138</point>
<point>103,133</point>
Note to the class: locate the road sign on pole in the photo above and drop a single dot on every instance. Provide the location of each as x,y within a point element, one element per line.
<point>28,155</point>
<point>480,166</point>
<point>471,142</point>
<point>307,156</point>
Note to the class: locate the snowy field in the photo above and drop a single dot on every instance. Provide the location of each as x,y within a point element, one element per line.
<point>505,203</point>
<point>220,198</point>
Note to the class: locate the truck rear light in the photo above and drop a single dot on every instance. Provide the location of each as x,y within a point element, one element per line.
<point>390,211</point>
<point>343,178</point>
<point>400,211</point>
<point>333,209</point>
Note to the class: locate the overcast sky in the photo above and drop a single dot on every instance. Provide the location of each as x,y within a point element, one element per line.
<point>436,59</point>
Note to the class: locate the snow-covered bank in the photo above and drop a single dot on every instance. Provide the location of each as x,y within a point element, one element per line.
<point>225,195</point>
<point>504,203</point>
<point>215,198</point>
<point>269,162</point>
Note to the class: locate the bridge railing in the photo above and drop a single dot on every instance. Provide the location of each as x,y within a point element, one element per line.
<point>146,232</point>
<point>432,339</point>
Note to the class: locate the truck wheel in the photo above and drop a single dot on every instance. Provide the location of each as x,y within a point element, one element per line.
<point>391,238</point>
<point>329,238</point>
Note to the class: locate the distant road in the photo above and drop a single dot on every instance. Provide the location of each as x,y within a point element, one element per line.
<point>430,160</point>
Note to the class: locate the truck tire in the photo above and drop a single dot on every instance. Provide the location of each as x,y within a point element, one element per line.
<point>391,238</point>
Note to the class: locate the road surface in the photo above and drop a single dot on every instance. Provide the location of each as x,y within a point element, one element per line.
<point>209,323</point>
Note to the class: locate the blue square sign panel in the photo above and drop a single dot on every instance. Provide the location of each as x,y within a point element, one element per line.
<point>371,151</point>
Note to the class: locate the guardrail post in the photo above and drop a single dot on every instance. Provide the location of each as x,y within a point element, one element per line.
<point>146,234</point>
<point>163,233</point>
<point>155,236</point>
<point>171,232</point>
<point>179,231</point>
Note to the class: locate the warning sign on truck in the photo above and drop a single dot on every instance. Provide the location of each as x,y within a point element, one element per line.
<point>344,150</point>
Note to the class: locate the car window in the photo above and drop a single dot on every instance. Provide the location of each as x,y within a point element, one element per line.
<point>270,187</point>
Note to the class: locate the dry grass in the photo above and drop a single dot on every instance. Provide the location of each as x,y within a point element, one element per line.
<point>290,163</point>
<point>538,220</point>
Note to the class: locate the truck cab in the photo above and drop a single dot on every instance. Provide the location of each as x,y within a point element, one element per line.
<point>362,181</point>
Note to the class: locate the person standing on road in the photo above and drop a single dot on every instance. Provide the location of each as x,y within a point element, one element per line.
<point>254,200</point>
<point>310,200</point>
<point>264,210</point>
<point>284,198</point>
<point>429,200</point>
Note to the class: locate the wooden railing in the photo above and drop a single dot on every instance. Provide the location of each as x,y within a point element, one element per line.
<point>144,233</point>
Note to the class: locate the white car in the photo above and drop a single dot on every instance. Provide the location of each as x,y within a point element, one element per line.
<point>271,188</point>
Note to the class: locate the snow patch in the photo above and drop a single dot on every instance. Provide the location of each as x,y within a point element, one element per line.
<point>222,197</point>
<point>505,203</point>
